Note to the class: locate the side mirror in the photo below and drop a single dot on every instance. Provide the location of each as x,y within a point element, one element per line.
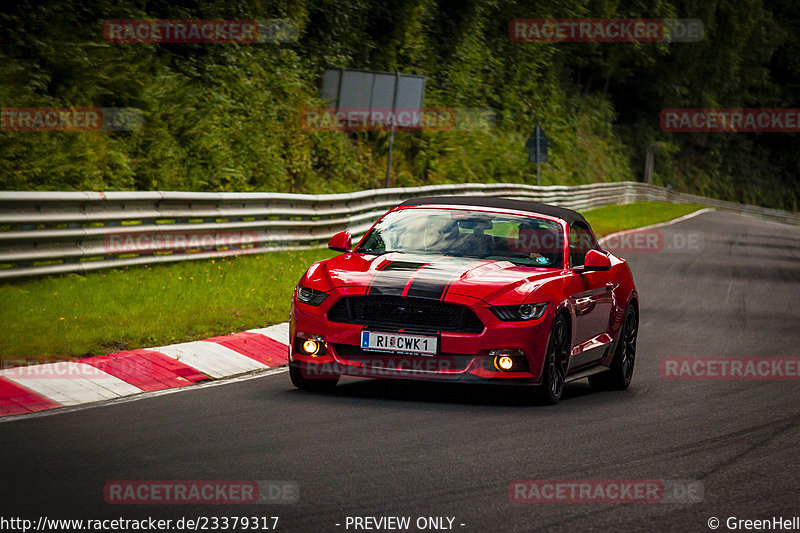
<point>341,242</point>
<point>595,261</point>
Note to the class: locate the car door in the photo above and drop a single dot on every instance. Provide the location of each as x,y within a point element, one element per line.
<point>590,295</point>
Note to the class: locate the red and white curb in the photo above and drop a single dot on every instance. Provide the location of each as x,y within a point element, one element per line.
<point>30,389</point>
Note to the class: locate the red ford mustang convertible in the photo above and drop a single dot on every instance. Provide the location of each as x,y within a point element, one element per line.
<point>468,289</point>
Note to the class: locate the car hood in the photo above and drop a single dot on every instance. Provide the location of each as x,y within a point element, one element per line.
<point>428,276</point>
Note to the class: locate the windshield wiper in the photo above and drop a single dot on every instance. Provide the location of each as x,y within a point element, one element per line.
<point>384,252</point>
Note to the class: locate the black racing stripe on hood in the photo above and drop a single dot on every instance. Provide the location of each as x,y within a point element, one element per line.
<point>433,280</point>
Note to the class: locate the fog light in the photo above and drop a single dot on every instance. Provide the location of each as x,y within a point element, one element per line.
<point>504,362</point>
<point>312,346</point>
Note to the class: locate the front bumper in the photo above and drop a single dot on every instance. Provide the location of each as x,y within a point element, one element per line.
<point>462,357</point>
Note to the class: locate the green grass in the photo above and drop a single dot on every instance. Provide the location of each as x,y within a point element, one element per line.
<point>138,307</point>
<point>613,218</point>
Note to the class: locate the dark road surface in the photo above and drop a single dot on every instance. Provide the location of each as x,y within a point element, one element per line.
<point>381,448</point>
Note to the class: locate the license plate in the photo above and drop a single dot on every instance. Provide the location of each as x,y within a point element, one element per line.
<point>398,343</point>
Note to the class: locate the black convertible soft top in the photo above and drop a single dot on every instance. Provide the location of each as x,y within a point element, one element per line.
<point>563,213</point>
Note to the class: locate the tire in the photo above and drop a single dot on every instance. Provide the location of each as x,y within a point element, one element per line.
<point>620,374</point>
<point>555,364</point>
<point>314,385</point>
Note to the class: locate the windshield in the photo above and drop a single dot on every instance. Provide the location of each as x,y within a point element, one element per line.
<point>524,241</point>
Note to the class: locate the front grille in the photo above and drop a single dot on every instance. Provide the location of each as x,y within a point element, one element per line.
<point>396,312</point>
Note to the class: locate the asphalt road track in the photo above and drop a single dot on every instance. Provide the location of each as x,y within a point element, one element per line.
<point>377,448</point>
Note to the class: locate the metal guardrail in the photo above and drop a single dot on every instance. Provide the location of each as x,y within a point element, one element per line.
<point>59,232</point>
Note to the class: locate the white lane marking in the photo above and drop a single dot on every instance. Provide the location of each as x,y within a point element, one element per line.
<point>151,394</point>
<point>728,293</point>
<point>70,383</point>
<point>278,332</point>
<point>659,225</point>
<point>211,358</point>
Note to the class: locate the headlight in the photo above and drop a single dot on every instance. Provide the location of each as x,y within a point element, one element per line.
<point>516,313</point>
<point>310,296</point>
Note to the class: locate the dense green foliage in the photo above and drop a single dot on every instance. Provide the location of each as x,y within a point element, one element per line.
<point>226,116</point>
